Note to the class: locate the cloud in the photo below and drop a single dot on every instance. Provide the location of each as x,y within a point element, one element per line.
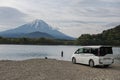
<point>76,31</point>
<point>56,9</point>
<point>10,17</point>
<point>113,1</point>
<point>102,12</point>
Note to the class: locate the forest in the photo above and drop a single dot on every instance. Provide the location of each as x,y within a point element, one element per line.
<point>107,37</point>
<point>35,41</point>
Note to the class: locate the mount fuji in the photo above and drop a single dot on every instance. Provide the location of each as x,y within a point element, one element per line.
<point>35,29</point>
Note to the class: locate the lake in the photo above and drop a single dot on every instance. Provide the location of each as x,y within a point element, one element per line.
<point>23,52</point>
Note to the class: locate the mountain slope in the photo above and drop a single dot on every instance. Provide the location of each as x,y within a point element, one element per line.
<point>37,35</point>
<point>37,25</point>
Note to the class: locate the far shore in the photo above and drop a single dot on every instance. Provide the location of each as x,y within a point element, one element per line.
<point>51,69</point>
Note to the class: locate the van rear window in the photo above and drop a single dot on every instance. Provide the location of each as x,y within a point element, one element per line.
<point>105,50</point>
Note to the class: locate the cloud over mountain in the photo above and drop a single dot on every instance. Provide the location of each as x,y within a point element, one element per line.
<point>11,17</point>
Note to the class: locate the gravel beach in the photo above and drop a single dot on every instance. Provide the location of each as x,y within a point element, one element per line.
<point>50,69</point>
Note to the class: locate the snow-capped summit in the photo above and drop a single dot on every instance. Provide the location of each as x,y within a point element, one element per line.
<point>40,25</point>
<point>35,26</point>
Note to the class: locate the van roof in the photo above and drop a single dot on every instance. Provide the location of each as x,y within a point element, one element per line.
<point>94,46</point>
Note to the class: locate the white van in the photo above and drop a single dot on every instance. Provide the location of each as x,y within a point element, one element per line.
<point>93,56</point>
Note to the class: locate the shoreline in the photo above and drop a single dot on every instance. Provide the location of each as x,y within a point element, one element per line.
<point>52,69</point>
<point>58,45</point>
<point>116,60</point>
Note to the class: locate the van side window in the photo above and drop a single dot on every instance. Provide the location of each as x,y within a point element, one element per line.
<point>79,51</point>
<point>85,50</point>
<point>94,51</point>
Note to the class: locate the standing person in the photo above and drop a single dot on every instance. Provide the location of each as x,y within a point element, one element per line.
<point>61,53</point>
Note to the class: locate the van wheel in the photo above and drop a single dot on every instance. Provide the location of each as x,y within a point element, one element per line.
<point>91,63</point>
<point>73,60</point>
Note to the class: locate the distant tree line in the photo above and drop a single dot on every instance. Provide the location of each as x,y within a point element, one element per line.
<point>107,37</point>
<point>36,41</point>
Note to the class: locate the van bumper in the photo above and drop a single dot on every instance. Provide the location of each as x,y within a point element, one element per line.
<point>106,61</point>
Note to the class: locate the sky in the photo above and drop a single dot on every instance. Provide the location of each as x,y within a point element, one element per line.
<point>72,17</point>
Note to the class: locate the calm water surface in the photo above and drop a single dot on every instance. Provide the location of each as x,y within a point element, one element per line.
<point>23,52</point>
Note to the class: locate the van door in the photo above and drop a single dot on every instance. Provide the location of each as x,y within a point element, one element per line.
<point>86,55</point>
<point>78,55</point>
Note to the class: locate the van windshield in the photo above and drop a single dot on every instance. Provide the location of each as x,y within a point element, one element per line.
<point>105,50</point>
